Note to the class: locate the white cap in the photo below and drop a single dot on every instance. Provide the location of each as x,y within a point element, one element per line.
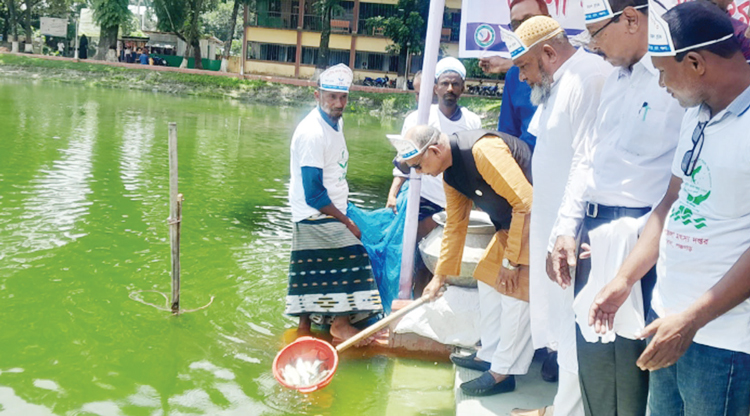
<point>660,42</point>
<point>450,64</point>
<point>597,10</point>
<point>659,38</point>
<point>336,78</point>
<point>516,48</point>
<point>406,149</point>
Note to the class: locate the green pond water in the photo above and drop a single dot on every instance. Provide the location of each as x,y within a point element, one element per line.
<point>83,208</point>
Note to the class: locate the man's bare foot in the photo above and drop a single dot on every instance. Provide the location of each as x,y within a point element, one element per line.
<point>341,330</point>
<point>304,325</point>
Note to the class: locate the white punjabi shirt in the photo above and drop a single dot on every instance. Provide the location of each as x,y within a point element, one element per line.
<point>432,186</point>
<point>628,158</point>
<point>316,144</point>
<point>560,126</point>
<point>626,164</point>
<point>708,227</point>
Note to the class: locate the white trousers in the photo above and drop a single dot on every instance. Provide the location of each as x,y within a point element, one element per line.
<point>568,401</point>
<point>505,331</point>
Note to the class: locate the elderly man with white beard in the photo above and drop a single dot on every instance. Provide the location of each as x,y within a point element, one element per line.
<point>565,84</point>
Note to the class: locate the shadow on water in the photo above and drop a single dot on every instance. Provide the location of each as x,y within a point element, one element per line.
<point>83,208</point>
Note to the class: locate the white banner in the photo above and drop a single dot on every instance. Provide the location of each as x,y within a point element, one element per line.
<point>481,21</point>
<point>51,26</point>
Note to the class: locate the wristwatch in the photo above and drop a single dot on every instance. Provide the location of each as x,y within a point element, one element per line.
<point>507,265</point>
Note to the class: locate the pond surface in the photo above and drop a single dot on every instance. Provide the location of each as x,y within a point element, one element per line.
<point>83,208</point>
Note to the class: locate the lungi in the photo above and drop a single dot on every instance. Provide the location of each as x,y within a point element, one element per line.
<point>330,273</point>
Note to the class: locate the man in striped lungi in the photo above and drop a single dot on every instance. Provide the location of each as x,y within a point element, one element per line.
<point>330,277</point>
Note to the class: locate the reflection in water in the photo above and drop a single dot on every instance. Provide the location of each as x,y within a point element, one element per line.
<point>18,406</point>
<point>58,194</point>
<point>101,180</point>
<point>137,140</point>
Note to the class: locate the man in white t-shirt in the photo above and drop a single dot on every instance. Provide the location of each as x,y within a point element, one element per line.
<point>449,118</point>
<point>698,353</point>
<point>330,277</point>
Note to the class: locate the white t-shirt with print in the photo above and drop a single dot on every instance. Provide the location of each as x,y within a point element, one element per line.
<point>316,144</point>
<point>708,227</point>
<point>432,186</point>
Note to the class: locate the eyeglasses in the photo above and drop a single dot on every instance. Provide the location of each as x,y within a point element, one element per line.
<point>690,159</point>
<point>612,20</point>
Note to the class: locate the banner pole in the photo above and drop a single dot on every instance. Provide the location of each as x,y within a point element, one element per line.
<point>432,46</point>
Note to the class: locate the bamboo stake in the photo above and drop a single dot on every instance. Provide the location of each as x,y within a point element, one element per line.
<point>175,217</point>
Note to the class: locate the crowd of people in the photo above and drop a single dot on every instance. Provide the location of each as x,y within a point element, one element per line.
<point>617,182</point>
<point>136,55</point>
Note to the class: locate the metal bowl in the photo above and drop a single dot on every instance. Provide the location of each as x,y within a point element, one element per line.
<point>478,236</point>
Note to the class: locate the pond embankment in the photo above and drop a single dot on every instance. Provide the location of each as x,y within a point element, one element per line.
<point>249,88</point>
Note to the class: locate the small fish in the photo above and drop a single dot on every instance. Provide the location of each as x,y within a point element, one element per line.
<point>291,376</point>
<point>304,373</point>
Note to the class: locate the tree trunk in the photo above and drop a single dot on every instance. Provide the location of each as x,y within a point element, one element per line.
<point>13,20</point>
<point>228,42</point>
<point>27,24</point>
<point>325,37</point>
<point>107,41</point>
<point>6,25</point>
<point>185,56</point>
<point>197,54</point>
<point>402,76</point>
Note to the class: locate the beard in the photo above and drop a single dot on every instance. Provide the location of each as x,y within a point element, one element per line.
<point>541,91</point>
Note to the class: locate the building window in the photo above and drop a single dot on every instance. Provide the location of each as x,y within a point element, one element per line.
<point>370,60</point>
<point>338,57</point>
<point>271,52</point>
<point>393,64</point>
<point>309,55</point>
<point>335,56</point>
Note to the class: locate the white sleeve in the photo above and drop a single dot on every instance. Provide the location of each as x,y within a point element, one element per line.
<point>310,149</point>
<point>409,122</point>
<point>474,122</point>
<point>583,112</point>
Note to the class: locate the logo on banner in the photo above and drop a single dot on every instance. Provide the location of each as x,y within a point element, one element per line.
<point>484,36</point>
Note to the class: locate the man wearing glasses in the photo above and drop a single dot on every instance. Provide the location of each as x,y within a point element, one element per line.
<point>449,117</point>
<point>625,171</point>
<point>491,170</point>
<point>699,336</point>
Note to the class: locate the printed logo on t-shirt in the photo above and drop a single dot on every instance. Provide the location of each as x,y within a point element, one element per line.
<point>698,189</point>
<point>343,163</point>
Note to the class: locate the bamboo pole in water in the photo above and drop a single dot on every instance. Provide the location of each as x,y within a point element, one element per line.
<point>175,217</point>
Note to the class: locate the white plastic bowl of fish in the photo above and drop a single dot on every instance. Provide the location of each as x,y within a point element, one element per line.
<point>306,365</point>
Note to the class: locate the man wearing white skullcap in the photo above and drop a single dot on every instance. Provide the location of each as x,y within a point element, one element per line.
<point>565,84</point>
<point>625,172</point>
<point>448,117</point>
<point>330,277</point>
<point>698,236</point>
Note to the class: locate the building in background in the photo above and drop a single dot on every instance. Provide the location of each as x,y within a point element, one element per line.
<point>283,41</point>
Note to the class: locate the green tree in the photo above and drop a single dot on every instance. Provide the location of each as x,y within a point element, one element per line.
<point>407,30</point>
<point>10,18</point>
<point>222,23</point>
<point>109,14</point>
<point>325,9</point>
<point>184,19</point>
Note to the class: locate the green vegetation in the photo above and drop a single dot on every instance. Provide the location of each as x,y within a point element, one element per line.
<point>254,91</point>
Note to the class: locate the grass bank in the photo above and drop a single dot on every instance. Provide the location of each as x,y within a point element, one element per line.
<point>246,90</point>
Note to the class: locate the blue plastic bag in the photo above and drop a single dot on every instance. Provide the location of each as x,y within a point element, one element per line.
<point>382,236</point>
